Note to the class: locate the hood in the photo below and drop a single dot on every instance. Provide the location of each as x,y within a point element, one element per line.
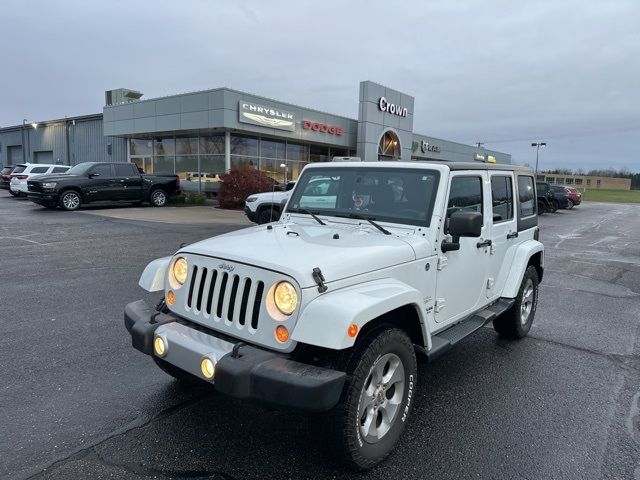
<point>266,196</point>
<point>296,249</point>
<point>51,178</point>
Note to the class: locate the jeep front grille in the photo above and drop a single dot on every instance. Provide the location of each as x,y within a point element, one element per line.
<point>224,296</point>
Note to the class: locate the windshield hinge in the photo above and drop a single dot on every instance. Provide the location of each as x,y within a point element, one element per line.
<point>442,262</point>
<point>319,279</point>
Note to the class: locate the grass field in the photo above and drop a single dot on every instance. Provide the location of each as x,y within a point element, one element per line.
<point>618,196</point>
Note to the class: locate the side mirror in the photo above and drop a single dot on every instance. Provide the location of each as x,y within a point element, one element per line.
<point>461,224</point>
<point>92,175</point>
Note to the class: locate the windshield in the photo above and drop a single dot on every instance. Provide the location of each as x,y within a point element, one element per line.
<point>80,169</point>
<point>395,195</point>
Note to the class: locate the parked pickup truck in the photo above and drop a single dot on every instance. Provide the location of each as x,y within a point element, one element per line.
<point>99,181</point>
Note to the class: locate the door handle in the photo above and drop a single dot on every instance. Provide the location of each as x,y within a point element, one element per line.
<point>512,235</point>
<point>486,243</point>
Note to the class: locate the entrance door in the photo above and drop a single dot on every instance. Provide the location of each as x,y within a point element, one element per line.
<point>462,274</point>
<point>504,231</point>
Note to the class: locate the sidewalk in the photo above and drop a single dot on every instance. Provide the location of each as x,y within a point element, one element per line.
<point>196,215</point>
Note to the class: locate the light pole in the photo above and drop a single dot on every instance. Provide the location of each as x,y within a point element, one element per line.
<point>538,145</point>
<point>284,165</point>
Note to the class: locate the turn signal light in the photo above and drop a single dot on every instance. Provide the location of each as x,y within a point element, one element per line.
<point>282,334</point>
<point>352,331</point>
<point>171,298</point>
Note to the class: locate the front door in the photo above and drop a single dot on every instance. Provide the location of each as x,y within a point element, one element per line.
<point>462,274</point>
<point>100,185</point>
<point>127,182</point>
<point>504,231</point>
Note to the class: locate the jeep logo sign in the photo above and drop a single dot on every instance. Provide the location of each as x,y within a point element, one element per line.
<point>427,147</point>
<point>392,108</point>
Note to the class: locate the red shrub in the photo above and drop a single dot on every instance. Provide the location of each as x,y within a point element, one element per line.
<point>239,183</point>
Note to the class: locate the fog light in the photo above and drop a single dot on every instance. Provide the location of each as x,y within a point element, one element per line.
<point>282,334</point>
<point>159,346</point>
<point>207,367</point>
<point>171,298</point>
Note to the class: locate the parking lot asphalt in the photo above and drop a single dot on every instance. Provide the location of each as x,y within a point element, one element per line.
<point>76,401</point>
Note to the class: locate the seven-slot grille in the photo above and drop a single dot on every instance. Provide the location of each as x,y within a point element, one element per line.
<point>223,295</point>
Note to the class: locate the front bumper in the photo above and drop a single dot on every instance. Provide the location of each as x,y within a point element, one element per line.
<point>241,370</point>
<point>43,198</point>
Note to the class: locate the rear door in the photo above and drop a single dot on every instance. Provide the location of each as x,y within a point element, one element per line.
<point>462,274</point>
<point>504,230</point>
<point>127,182</point>
<point>100,183</point>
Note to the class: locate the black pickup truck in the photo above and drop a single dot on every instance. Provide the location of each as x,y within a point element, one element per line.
<point>99,182</point>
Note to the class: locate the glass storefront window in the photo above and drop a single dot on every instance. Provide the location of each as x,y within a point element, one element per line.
<point>212,164</point>
<point>294,169</point>
<point>163,164</point>
<point>244,145</point>
<point>297,152</point>
<point>339,152</point>
<point>187,171</point>
<point>244,162</point>
<point>187,146</point>
<point>319,154</point>
<point>140,146</point>
<point>271,167</point>
<point>212,144</point>
<point>164,146</point>
<point>272,149</point>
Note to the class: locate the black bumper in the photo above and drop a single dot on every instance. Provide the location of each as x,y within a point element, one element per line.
<point>43,198</point>
<point>254,373</point>
<point>253,216</point>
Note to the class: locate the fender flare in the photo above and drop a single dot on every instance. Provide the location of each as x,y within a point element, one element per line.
<point>520,260</point>
<point>153,275</point>
<point>325,320</point>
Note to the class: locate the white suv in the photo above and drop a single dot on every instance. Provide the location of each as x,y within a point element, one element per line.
<point>25,171</point>
<point>325,310</point>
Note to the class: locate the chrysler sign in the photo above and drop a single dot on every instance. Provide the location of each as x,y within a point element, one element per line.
<point>266,116</point>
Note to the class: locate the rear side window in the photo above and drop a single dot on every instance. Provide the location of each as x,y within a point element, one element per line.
<point>526,196</point>
<point>502,198</point>
<point>19,169</point>
<point>124,170</point>
<point>59,169</point>
<point>39,169</point>
<point>465,195</point>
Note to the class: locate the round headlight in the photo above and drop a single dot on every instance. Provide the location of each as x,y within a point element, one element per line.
<point>285,297</point>
<point>180,270</point>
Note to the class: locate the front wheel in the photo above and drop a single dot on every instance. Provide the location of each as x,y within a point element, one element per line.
<point>70,200</point>
<point>376,402</point>
<point>158,198</point>
<point>554,206</point>
<point>268,215</point>
<point>570,204</point>
<point>542,208</point>
<point>516,322</point>
<point>15,194</point>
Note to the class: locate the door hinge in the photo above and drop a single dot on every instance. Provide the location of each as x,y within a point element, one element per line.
<point>440,304</point>
<point>490,283</point>
<point>442,262</point>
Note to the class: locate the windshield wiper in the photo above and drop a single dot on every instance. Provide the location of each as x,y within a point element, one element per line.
<point>371,221</point>
<point>304,210</point>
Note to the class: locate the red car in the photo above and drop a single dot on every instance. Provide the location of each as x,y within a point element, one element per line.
<point>574,195</point>
<point>5,176</point>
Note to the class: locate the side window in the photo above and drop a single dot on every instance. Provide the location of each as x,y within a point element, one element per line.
<point>102,170</point>
<point>502,198</point>
<point>526,196</point>
<point>465,195</point>
<point>39,170</point>
<point>124,170</point>
<point>59,169</point>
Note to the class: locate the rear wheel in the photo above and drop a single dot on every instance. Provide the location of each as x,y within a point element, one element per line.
<point>554,206</point>
<point>158,198</point>
<point>516,322</point>
<point>70,200</point>
<point>15,194</point>
<point>542,208</point>
<point>376,401</point>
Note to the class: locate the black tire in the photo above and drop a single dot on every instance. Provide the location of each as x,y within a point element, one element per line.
<point>266,216</point>
<point>13,194</point>
<point>570,204</point>
<point>158,197</point>
<point>515,323</point>
<point>542,208</point>
<point>341,426</point>
<point>174,371</point>
<point>70,200</point>
<point>554,206</point>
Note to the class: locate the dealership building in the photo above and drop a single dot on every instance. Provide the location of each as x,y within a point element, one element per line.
<point>201,134</point>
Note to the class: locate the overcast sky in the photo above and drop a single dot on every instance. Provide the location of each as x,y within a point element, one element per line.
<point>501,72</point>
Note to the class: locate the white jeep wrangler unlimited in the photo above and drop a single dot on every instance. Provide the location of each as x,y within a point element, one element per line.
<point>325,309</point>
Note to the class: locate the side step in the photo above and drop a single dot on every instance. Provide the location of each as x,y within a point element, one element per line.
<point>443,341</point>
